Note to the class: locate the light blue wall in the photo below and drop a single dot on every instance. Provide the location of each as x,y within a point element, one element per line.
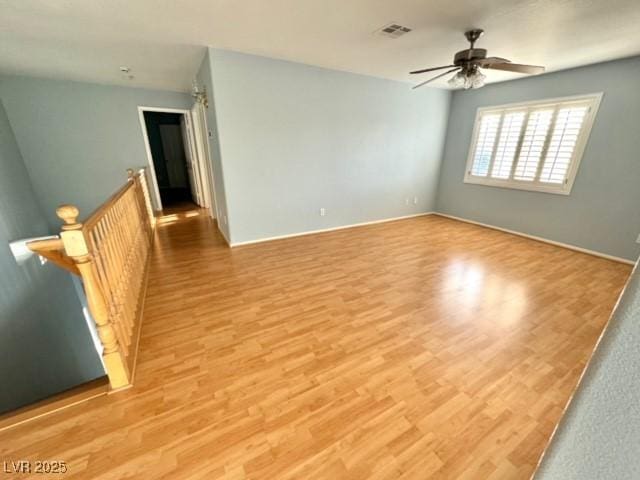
<point>78,139</point>
<point>599,435</point>
<point>288,139</point>
<point>204,79</point>
<point>295,138</point>
<point>602,212</point>
<point>45,344</point>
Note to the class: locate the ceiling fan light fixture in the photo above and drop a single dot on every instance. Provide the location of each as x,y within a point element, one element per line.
<point>467,79</point>
<point>457,81</point>
<point>476,80</point>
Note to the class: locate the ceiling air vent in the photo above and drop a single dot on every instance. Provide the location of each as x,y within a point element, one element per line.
<point>394,30</point>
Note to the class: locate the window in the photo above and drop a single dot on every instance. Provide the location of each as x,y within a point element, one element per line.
<point>531,146</point>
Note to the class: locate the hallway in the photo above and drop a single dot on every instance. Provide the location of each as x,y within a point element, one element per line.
<point>421,348</point>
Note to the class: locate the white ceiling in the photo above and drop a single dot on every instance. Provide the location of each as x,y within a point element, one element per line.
<point>163,41</point>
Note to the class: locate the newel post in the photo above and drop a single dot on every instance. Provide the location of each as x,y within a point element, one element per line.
<point>75,246</point>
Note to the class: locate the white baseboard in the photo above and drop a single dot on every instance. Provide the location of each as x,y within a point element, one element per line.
<point>453,217</point>
<point>311,232</point>
<point>540,239</point>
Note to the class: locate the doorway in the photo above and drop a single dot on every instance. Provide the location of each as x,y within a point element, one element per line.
<point>178,159</point>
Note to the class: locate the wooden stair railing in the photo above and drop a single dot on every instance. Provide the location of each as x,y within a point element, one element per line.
<point>110,251</point>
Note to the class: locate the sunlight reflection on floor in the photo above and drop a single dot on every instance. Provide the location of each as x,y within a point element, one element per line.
<point>174,217</point>
<point>474,286</point>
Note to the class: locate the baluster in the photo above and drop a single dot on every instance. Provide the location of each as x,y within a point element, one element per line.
<point>120,261</point>
<point>112,271</point>
<point>96,245</point>
<point>124,215</point>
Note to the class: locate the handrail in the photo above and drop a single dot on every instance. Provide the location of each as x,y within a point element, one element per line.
<point>99,212</point>
<point>111,252</point>
<point>53,250</point>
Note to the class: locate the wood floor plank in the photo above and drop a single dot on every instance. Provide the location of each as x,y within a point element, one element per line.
<point>422,348</point>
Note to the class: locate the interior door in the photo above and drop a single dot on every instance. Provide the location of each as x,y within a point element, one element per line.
<point>201,146</point>
<point>192,163</point>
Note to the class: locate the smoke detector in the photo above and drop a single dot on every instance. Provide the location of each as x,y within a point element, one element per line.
<point>394,30</point>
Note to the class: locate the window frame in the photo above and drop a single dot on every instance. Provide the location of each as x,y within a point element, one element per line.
<point>564,188</point>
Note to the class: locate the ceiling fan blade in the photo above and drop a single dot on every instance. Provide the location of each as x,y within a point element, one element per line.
<point>489,60</point>
<point>435,78</point>
<point>431,69</point>
<point>515,67</point>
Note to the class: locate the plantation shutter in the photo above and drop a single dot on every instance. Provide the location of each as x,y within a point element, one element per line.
<point>562,145</point>
<point>508,144</point>
<point>489,124</point>
<point>531,144</point>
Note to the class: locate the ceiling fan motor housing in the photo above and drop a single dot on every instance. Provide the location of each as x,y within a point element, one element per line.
<point>469,55</point>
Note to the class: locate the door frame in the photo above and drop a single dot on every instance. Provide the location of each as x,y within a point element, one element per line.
<point>202,139</point>
<point>155,190</point>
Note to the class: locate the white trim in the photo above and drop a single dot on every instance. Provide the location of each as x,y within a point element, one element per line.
<point>534,186</point>
<point>147,146</point>
<point>163,109</point>
<point>540,239</point>
<point>452,217</point>
<point>155,190</point>
<point>323,230</point>
<point>201,132</point>
<point>541,102</point>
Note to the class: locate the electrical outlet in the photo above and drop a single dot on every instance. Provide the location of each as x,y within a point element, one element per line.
<point>323,212</point>
<point>224,219</point>
<point>638,239</point>
<point>415,200</point>
<point>406,201</point>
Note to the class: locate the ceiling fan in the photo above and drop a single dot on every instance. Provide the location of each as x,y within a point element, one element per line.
<point>468,63</point>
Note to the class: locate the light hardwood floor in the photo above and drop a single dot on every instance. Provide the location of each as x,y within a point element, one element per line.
<point>423,348</point>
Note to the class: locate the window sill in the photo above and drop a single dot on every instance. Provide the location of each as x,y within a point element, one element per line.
<point>515,185</point>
